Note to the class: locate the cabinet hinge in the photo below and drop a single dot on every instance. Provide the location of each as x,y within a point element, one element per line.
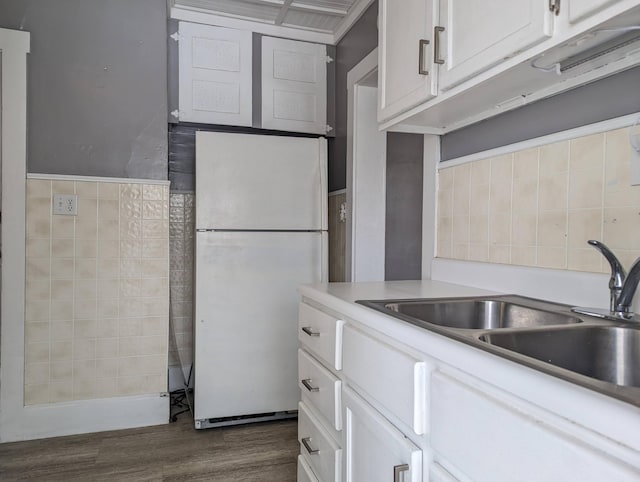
<point>175,36</point>
<point>328,128</point>
<point>175,113</point>
<point>554,7</point>
<point>327,59</point>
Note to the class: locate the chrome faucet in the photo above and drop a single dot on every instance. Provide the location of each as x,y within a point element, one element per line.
<point>622,285</point>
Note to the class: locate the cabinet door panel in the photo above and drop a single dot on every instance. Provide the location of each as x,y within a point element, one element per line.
<point>294,86</point>
<point>478,35</point>
<point>401,27</point>
<point>375,449</point>
<point>488,440</point>
<point>215,75</point>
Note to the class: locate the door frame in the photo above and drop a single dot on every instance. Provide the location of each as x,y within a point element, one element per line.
<point>359,266</point>
<point>15,46</point>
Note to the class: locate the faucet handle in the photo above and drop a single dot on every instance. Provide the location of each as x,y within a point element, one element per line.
<point>618,274</point>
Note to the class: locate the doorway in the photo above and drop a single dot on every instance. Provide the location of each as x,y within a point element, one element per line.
<point>366,176</point>
<point>14,46</point>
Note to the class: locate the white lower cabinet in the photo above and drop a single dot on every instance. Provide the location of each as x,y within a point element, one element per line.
<point>393,377</point>
<point>374,449</point>
<point>404,410</point>
<point>317,446</point>
<point>305,472</point>
<point>488,440</point>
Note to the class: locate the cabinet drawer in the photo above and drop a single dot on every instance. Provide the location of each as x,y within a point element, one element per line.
<point>320,333</point>
<point>317,447</point>
<point>390,376</point>
<point>320,387</point>
<point>487,440</point>
<point>305,474</point>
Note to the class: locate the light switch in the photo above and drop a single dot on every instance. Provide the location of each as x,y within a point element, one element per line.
<point>66,204</point>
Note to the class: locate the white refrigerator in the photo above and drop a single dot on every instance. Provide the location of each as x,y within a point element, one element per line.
<point>261,230</point>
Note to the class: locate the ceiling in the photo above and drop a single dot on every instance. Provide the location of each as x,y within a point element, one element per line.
<point>331,17</point>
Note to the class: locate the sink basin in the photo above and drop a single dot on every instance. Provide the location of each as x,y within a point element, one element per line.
<point>607,353</point>
<point>479,314</point>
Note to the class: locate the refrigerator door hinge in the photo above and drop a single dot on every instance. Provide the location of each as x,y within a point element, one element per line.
<point>328,128</point>
<point>554,7</point>
<point>175,36</point>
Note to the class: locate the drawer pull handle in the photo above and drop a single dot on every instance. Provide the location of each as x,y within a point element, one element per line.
<point>309,331</point>
<point>307,384</point>
<point>436,45</point>
<point>305,441</point>
<point>421,68</point>
<point>398,470</point>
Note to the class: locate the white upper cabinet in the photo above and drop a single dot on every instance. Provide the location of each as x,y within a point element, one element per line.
<point>405,53</point>
<point>482,58</point>
<point>215,75</point>
<point>478,35</point>
<point>294,86</point>
<point>579,9</point>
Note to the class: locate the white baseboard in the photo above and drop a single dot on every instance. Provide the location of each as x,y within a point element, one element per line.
<point>85,416</point>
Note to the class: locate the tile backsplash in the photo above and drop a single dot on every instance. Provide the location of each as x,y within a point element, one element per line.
<point>539,206</point>
<point>97,287</point>
<point>181,241</point>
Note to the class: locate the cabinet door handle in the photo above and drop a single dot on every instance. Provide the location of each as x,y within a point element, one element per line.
<point>436,45</point>
<point>398,470</point>
<point>307,384</point>
<point>309,331</point>
<point>422,44</point>
<point>305,441</point>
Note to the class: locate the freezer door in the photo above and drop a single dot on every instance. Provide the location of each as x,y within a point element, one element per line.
<point>247,181</point>
<point>246,319</point>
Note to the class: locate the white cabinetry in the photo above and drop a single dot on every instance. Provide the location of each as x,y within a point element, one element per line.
<point>484,438</point>
<point>214,75</point>
<point>485,58</point>
<point>216,80</point>
<point>478,35</point>
<point>294,86</point>
<point>405,46</point>
<point>391,377</point>
<point>579,9</point>
<point>320,412</point>
<point>374,449</point>
<point>419,407</point>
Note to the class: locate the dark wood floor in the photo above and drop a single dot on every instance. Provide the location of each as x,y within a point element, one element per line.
<point>256,452</point>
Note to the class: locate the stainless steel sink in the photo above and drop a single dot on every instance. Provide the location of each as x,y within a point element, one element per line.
<point>479,314</point>
<point>607,353</point>
<point>597,353</point>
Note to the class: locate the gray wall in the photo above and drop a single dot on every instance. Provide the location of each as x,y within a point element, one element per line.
<point>97,85</point>
<point>403,238</point>
<point>361,39</point>
<point>607,98</point>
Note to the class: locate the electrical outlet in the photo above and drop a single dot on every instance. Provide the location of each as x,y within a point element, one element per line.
<point>66,204</point>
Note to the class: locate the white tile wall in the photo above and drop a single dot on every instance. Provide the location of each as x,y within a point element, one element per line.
<point>96,291</point>
<point>181,240</point>
<point>538,207</point>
